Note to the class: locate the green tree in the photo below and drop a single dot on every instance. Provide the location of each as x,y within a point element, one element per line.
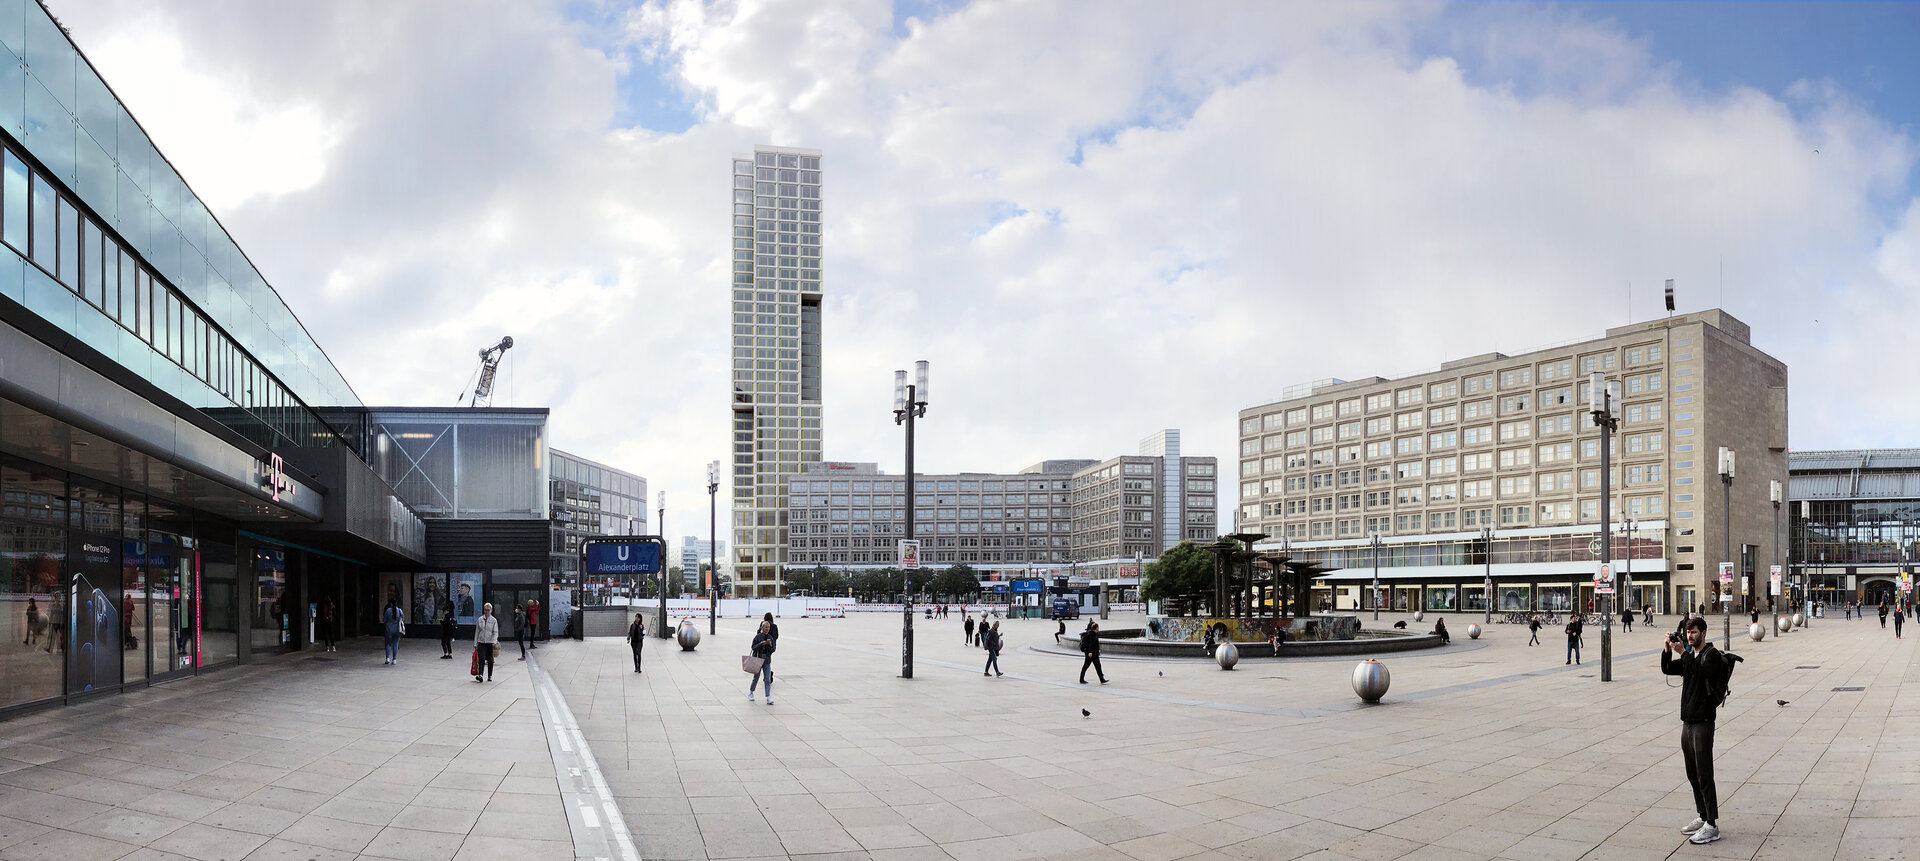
<point>869,585</point>
<point>956,582</point>
<point>1181,579</point>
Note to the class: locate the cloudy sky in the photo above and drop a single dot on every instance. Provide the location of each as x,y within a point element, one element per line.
<point>1096,220</point>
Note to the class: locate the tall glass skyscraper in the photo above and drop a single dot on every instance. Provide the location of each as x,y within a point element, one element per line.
<point>776,352</point>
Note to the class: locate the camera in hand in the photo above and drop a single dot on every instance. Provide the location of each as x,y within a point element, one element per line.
<point>1673,638</point>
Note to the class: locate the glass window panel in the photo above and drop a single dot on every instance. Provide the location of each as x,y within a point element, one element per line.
<point>132,215</point>
<point>95,180</point>
<point>68,227</point>
<point>13,212</point>
<point>32,561</point>
<point>50,129</point>
<point>49,56</point>
<point>96,285</point>
<point>45,219</point>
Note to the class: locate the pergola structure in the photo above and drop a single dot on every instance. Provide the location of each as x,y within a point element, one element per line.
<point>1251,584</point>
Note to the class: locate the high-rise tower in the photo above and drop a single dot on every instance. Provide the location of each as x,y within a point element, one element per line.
<point>776,352</point>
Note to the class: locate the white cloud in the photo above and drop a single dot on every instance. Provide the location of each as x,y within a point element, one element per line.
<point>1094,225</point>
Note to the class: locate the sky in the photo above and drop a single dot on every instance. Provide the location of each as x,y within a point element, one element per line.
<point>1095,221</point>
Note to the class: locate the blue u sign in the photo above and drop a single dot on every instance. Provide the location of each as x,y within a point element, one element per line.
<point>636,557</point>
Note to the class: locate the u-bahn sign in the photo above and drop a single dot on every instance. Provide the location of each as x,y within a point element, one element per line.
<point>638,554</point>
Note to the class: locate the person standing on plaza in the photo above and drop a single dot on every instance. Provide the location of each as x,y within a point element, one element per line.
<point>1574,627</point>
<point>533,622</point>
<point>637,637</point>
<point>446,631</point>
<point>1090,646</point>
<point>395,623</point>
<point>520,628</point>
<point>763,646</point>
<point>1626,618</point>
<point>966,626</point>
<point>1533,626</point>
<point>1703,670</point>
<point>486,638</point>
<point>1883,613</point>
<point>1898,620</point>
<point>993,651</point>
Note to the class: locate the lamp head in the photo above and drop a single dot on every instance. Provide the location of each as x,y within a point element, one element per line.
<point>1726,462</point>
<point>713,472</point>
<point>920,382</point>
<point>899,391</point>
<point>1773,491</point>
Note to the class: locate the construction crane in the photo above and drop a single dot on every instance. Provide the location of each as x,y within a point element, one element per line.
<point>489,364</point>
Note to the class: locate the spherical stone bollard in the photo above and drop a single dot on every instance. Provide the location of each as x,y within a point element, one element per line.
<point>1419,615</point>
<point>1227,654</point>
<point>1473,631</point>
<point>1370,680</point>
<point>1757,631</point>
<point>688,637</point>
<point>1799,620</point>
<point>1780,624</point>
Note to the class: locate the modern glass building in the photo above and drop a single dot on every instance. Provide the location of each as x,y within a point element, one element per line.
<point>184,471</point>
<point>1855,523</point>
<point>776,352</point>
<point>585,499</point>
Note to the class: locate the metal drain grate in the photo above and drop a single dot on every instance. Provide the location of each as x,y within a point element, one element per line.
<point>1850,689</point>
<point>1808,667</point>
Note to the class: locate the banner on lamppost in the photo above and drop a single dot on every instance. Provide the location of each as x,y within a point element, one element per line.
<point>909,554</point>
<point>1603,580</point>
<point>1726,573</point>
<point>1775,579</point>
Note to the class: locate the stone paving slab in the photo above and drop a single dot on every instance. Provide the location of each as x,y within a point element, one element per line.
<point>313,755</point>
<point>1483,749</point>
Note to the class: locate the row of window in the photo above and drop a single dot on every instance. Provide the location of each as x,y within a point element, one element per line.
<point>1387,425</point>
<point>1638,473</point>
<point>1443,440</point>
<point>1468,518</point>
<point>49,230</point>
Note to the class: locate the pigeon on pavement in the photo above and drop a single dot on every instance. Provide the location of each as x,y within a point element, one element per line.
<point>1782,702</point>
<point>1086,714</point>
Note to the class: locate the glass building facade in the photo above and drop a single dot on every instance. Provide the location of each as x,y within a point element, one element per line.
<point>776,352</point>
<point>586,499</point>
<point>1854,523</point>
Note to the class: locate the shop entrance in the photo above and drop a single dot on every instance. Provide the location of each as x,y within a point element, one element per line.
<point>510,600</point>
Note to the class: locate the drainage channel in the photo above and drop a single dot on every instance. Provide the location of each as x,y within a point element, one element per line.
<point>599,831</point>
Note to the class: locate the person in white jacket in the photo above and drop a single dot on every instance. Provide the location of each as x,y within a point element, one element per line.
<point>486,639</point>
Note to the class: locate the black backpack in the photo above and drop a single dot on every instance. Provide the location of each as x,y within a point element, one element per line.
<point>1717,684</point>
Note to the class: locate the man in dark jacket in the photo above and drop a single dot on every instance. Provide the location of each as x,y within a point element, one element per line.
<point>637,637</point>
<point>1701,668</point>
<point>1090,645</point>
<point>1574,628</point>
<point>966,629</point>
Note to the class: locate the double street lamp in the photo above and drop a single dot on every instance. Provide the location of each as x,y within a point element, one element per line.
<point>1601,396</point>
<point>909,403</point>
<point>1726,544</point>
<point>713,544</point>
<point>1486,545</point>
<point>1376,576</point>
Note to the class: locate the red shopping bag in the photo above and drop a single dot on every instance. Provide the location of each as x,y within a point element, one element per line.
<point>476,662</point>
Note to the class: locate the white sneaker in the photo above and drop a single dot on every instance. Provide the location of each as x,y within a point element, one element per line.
<point>749,696</point>
<point>1706,834</point>
<point>1693,826</point>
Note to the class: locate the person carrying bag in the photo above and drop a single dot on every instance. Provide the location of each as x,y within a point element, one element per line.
<point>763,654</point>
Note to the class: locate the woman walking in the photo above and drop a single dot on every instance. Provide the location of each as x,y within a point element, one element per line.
<point>395,623</point>
<point>446,630</point>
<point>486,639</point>
<point>993,651</point>
<point>763,649</point>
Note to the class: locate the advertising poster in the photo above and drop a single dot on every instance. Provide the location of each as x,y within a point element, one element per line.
<point>395,588</point>
<point>93,659</point>
<point>429,593</point>
<point>466,598</point>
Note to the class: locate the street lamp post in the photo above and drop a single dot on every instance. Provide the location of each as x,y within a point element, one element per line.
<point>1600,398</point>
<point>1376,576</point>
<point>909,403</point>
<point>1726,542</point>
<point>1773,492</point>
<point>1626,578</point>
<point>713,561</point>
<point>1486,544</point>
<point>662,529</point>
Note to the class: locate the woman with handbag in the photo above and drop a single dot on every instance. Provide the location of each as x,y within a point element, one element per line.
<point>763,649</point>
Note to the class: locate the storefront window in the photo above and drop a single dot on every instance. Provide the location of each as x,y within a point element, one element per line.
<point>33,542</point>
<point>1442,598</point>
<point>1514,599</point>
<point>269,586</point>
<point>136,598</point>
<point>1556,598</point>
<point>219,601</point>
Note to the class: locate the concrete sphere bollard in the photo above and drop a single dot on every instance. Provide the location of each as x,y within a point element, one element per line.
<point>1370,680</point>
<point>1226,654</point>
<point>688,637</point>
<point>1473,631</point>
<point>1799,620</point>
<point>1757,631</point>
<point>1419,615</point>
<point>1781,624</point>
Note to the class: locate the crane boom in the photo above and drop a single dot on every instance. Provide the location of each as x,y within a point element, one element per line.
<point>489,363</point>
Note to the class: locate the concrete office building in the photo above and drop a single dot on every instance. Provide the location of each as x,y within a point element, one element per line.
<point>776,352</point>
<point>1492,441</point>
<point>1855,522</point>
<point>585,499</point>
<point>696,552</point>
<point>1085,520</point>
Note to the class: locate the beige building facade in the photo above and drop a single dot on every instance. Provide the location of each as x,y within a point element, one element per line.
<point>1490,465</point>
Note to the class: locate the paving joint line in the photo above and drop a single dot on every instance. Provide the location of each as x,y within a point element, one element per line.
<point>598,829</point>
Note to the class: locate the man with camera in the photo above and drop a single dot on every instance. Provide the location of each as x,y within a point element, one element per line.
<point>1703,672</point>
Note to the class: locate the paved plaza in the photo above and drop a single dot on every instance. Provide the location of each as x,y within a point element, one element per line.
<point>1483,749</point>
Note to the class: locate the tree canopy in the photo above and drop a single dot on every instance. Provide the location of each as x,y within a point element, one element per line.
<point>1181,579</point>
<point>956,582</point>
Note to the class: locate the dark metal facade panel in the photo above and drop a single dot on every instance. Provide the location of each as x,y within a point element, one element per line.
<point>483,544</point>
